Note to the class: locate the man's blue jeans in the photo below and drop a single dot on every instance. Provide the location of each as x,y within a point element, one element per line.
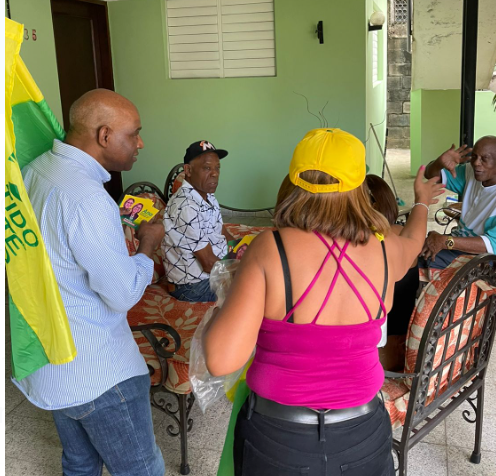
<point>443,259</point>
<point>195,292</point>
<point>115,429</point>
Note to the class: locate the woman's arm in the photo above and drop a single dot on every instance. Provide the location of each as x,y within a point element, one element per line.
<point>407,245</point>
<point>398,230</point>
<point>232,335</point>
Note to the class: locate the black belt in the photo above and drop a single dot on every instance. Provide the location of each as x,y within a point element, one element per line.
<point>307,415</point>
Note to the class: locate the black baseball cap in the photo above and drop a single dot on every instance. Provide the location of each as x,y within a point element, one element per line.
<point>202,147</point>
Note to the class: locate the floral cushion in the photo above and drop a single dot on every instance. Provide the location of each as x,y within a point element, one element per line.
<point>178,181</point>
<point>158,306</point>
<point>422,313</point>
<point>132,242</point>
<point>396,395</point>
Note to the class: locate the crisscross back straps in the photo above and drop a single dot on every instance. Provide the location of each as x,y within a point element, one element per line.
<point>289,316</point>
<point>287,279</point>
<point>382,307</point>
<point>290,309</point>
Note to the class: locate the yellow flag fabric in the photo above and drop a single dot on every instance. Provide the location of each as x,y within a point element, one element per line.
<point>40,332</point>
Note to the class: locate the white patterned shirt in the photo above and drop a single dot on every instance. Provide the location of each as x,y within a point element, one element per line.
<point>191,223</point>
<point>98,280</point>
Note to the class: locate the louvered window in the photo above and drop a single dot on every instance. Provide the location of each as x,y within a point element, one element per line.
<point>220,38</point>
<point>375,56</point>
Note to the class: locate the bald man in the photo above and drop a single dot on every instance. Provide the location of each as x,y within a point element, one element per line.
<point>100,400</point>
<point>476,184</point>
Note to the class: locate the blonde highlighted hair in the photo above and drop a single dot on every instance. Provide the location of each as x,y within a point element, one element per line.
<point>347,215</point>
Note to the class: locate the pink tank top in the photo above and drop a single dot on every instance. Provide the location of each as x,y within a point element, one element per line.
<point>319,366</point>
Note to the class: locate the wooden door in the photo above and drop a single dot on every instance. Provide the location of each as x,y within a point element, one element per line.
<point>84,60</point>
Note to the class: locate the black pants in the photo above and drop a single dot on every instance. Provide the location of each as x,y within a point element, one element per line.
<point>405,294</point>
<point>266,446</point>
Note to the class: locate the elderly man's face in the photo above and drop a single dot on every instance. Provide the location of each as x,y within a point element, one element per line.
<point>484,161</point>
<point>203,173</point>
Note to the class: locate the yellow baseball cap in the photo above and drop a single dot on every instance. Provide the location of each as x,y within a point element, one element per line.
<point>333,151</point>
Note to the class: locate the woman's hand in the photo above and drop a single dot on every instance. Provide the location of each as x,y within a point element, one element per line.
<point>425,192</point>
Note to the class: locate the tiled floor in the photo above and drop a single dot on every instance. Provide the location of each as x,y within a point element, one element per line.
<point>32,446</point>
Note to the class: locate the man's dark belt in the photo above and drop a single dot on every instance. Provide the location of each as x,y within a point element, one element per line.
<point>306,415</point>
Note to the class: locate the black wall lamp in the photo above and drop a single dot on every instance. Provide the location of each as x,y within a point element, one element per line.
<point>376,21</point>
<point>320,32</point>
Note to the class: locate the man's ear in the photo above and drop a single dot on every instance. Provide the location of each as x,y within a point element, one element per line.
<point>103,136</point>
<point>187,170</point>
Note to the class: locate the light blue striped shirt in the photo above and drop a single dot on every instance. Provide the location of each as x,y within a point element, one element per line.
<point>98,281</point>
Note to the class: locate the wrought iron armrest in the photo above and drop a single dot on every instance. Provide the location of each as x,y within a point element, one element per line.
<point>448,215</point>
<point>389,374</point>
<point>159,346</point>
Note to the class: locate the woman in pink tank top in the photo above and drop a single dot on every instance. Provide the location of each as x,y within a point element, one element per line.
<point>312,297</point>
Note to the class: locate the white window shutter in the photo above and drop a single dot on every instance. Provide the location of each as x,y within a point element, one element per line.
<point>248,43</point>
<point>375,56</point>
<point>220,38</point>
<point>194,39</point>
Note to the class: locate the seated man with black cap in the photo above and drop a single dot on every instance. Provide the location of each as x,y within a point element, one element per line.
<point>195,236</point>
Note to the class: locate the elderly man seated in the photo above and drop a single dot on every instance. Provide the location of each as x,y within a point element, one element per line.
<point>477,185</point>
<point>195,236</point>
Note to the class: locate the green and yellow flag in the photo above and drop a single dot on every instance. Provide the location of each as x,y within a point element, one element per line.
<point>40,332</point>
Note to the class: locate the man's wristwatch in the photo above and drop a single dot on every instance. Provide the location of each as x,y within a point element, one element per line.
<point>450,242</point>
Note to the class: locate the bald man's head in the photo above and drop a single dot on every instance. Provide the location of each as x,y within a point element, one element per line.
<point>97,108</point>
<point>483,160</point>
<point>107,126</point>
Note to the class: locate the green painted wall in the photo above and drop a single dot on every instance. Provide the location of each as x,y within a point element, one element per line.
<point>259,120</point>
<point>39,55</point>
<point>376,91</point>
<point>435,122</point>
<point>485,115</point>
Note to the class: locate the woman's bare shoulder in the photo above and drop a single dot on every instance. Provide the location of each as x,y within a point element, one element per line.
<point>263,238</point>
<point>260,245</point>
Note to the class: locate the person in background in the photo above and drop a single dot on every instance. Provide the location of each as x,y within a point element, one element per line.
<point>392,355</point>
<point>476,184</point>
<point>316,318</point>
<point>195,237</point>
<point>100,401</point>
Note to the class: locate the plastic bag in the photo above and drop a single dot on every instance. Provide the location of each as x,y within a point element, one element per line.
<point>209,389</point>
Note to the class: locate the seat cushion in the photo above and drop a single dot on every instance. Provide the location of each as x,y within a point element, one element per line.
<point>178,181</point>
<point>158,306</point>
<point>396,395</point>
<point>237,231</point>
<point>428,299</point>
